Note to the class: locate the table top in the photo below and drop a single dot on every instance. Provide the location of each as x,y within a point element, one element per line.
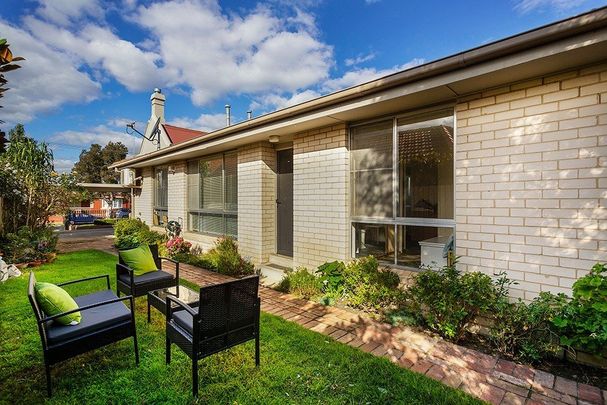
<point>183,293</point>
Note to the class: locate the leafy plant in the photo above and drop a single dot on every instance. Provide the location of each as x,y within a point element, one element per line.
<point>130,233</point>
<point>301,283</point>
<point>28,245</point>
<point>448,300</point>
<point>177,245</point>
<point>582,323</point>
<point>525,331</point>
<point>366,286</point>
<point>226,259</point>
<point>331,276</point>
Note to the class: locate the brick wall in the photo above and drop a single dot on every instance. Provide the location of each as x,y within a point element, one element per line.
<point>531,180</point>
<point>256,201</point>
<point>177,193</point>
<point>143,198</point>
<point>321,228</point>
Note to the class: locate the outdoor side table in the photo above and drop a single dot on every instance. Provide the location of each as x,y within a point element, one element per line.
<point>157,298</point>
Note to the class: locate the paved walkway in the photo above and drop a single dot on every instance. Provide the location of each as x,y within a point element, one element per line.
<point>494,380</point>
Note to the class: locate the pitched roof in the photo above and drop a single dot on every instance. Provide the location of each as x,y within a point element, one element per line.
<point>179,135</point>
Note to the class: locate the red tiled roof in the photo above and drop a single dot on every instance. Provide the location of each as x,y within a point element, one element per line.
<point>178,134</point>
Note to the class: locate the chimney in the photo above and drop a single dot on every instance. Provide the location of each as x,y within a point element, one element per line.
<point>228,115</point>
<point>158,104</point>
<point>249,114</point>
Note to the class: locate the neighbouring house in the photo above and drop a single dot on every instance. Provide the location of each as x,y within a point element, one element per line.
<point>499,152</point>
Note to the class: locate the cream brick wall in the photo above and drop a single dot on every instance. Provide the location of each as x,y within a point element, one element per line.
<point>531,180</point>
<point>257,201</point>
<point>143,198</point>
<point>321,228</point>
<point>177,193</point>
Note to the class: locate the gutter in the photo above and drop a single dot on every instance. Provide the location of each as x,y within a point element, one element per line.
<point>580,24</point>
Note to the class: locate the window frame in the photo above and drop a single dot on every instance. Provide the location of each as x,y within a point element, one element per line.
<point>224,213</point>
<point>396,220</point>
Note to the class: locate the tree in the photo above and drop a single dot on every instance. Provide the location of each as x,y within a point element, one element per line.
<point>92,166</point>
<point>6,65</point>
<point>30,188</point>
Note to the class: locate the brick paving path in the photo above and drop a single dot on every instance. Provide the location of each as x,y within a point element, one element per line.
<point>494,380</point>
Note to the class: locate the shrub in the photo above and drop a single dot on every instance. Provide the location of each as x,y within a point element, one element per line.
<point>582,321</point>
<point>176,246</point>
<point>525,331</point>
<point>366,286</point>
<point>226,259</point>
<point>131,232</point>
<point>301,283</point>
<point>448,300</point>
<point>28,245</point>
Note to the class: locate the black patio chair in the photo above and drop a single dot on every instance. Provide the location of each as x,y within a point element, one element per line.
<point>105,319</point>
<point>128,283</point>
<point>227,315</point>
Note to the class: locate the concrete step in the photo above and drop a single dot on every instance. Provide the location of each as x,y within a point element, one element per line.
<point>280,260</point>
<point>271,273</point>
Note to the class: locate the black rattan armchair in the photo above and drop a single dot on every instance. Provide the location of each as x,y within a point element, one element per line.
<point>227,315</point>
<point>128,283</point>
<point>105,319</point>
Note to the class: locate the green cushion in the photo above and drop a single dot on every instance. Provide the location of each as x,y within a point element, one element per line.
<point>54,300</point>
<point>139,259</point>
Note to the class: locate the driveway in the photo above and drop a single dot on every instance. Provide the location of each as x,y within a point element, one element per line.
<point>87,238</point>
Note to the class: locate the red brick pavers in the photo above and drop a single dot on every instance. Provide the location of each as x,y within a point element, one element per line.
<point>494,380</point>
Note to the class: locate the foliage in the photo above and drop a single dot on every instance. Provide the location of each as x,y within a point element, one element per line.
<point>177,245</point>
<point>6,64</point>
<point>582,323</point>
<point>359,284</point>
<point>301,283</point>
<point>226,259</point>
<point>366,286</point>
<point>524,331</point>
<point>298,366</point>
<point>30,188</point>
<point>331,276</point>
<point>130,233</point>
<point>447,301</point>
<point>26,245</point>
<point>92,166</point>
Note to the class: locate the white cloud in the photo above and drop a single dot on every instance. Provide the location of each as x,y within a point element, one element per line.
<point>359,59</point>
<point>205,122</point>
<point>62,12</point>
<point>47,79</point>
<point>360,76</point>
<point>214,53</point>
<point>101,49</point>
<point>372,1</point>
<point>272,101</point>
<point>525,6</point>
<point>63,165</point>
<point>100,134</point>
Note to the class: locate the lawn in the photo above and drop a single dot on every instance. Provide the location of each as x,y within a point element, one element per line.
<point>297,365</point>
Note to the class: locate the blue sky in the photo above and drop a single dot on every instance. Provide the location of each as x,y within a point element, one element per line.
<point>92,64</point>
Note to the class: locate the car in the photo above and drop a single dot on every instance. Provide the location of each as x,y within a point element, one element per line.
<point>123,213</point>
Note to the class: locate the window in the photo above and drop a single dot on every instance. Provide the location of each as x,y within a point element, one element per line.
<point>213,195</point>
<point>403,189</point>
<point>161,196</point>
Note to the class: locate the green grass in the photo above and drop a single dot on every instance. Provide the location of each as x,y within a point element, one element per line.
<point>297,365</point>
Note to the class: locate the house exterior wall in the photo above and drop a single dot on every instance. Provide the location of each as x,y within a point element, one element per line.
<point>177,193</point>
<point>531,180</point>
<point>257,201</point>
<point>142,201</point>
<point>321,223</point>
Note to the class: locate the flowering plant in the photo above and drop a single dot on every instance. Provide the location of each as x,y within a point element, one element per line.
<point>178,245</point>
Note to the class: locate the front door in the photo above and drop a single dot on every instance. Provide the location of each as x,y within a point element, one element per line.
<point>284,203</point>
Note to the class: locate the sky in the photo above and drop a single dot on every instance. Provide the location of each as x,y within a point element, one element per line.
<point>91,65</point>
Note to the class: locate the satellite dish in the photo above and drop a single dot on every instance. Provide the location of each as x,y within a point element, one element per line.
<point>155,131</point>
